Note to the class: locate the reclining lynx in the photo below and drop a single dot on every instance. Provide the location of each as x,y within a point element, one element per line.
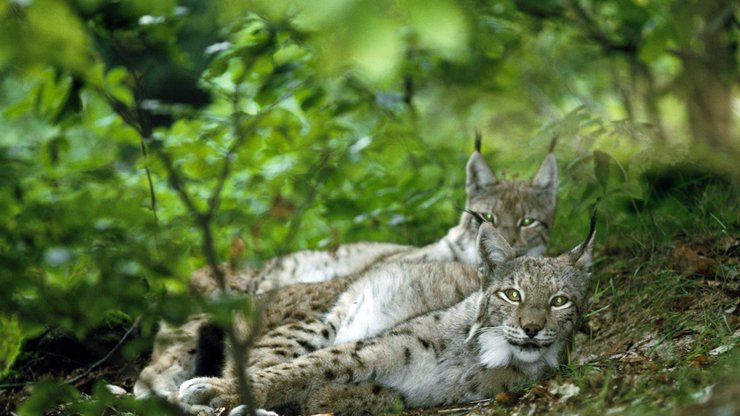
<point>521,210</point>
<point>509,331</point>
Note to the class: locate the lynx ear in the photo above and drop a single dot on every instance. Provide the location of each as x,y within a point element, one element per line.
<point>547,175</point>
<point>580,255</point>
<point>493,250</point>
<point>479,175</point>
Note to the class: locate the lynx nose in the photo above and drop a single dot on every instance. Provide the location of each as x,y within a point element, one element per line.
<point>531,330</point>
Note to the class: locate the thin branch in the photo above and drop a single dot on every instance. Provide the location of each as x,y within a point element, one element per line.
<point>317,179</point>
<point>597,33</point>
<point>108,355</point>
<point>138,119</point>
<point>241,134</point>
<point>152,195</point>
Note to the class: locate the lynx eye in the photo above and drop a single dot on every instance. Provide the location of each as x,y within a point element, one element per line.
<point>560,302</point>
<point>527,221</point>
<point>510,295</point>
<point>490,217</point>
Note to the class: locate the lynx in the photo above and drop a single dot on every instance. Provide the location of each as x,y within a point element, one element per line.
<point>521,210</point>
<point>511,330</point>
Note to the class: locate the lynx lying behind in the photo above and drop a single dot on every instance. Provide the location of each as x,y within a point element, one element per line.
<point>521,210</point>
<point>510,331</point>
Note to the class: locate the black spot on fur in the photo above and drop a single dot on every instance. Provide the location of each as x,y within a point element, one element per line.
<point>406,356</point>
<point>281,353</point>
<point>306,345</point>
<point>296,355</point>
<point>459,294</point>
<point>359,345</point>
<point>333,327</point>
<point>325,333</point>
<point>424,343</point>
<point>210,351</point>
<point>330,375</point>
<point>350,375</point>
<point>335,361</point>
<point>437,317</point>
<point>377,389</point>
<point>335,351</point>
<point>357,359</point>
<point>400,332</point>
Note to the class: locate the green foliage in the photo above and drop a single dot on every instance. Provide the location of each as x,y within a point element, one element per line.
<point>10,343</point>
<point>128,131</point>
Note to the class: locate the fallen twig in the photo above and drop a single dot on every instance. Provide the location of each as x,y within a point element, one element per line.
<point>107,356</point>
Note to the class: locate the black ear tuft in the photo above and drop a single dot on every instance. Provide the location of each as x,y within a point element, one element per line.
<point>592,225</point>
<point>581,254</point>
<point>477,140</point>
<point>478,217</point>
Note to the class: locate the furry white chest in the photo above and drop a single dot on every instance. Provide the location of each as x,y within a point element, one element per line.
<point>369,309</point>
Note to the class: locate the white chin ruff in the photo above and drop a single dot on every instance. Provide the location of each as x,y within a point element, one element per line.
<point>527,355</point>
<point>495,351</point>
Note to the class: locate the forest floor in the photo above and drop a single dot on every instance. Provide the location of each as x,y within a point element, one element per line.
<point>660,338</point>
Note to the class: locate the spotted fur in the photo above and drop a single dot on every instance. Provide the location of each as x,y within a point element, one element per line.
<point>510,331</point>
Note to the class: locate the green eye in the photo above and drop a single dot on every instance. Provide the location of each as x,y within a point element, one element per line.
<point>558,301</point>
<point>488,216</point>
<point>526,221</point>
<point>513,295</point>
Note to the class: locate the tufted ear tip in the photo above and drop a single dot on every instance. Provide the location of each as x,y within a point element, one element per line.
<point>581,255</point>
<point>493,250</point>
<point>479,177</point>
<point>547,174</point>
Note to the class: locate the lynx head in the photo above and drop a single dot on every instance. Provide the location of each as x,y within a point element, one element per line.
<point>529,305</point>
<point>521,211</point>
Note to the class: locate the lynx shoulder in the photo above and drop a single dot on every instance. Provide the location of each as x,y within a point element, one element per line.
<point>510,331</point>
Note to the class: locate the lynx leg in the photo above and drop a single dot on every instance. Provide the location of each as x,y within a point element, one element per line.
<point>351,400</point>
<point>291,382</point>
<point>173,360</point>
<point>363,399</point>
<point>289,342</point>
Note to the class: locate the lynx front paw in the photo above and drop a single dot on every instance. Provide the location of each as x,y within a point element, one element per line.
<point>211,391</point>
<point>244,411</point>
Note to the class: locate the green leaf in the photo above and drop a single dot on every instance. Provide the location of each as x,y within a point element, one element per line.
<point>10,343</point>
<point>601,168</point>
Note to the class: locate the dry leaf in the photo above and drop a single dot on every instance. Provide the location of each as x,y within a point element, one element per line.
<point>691,260</point>
<point>505,398</point>
<point>237,248</point>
